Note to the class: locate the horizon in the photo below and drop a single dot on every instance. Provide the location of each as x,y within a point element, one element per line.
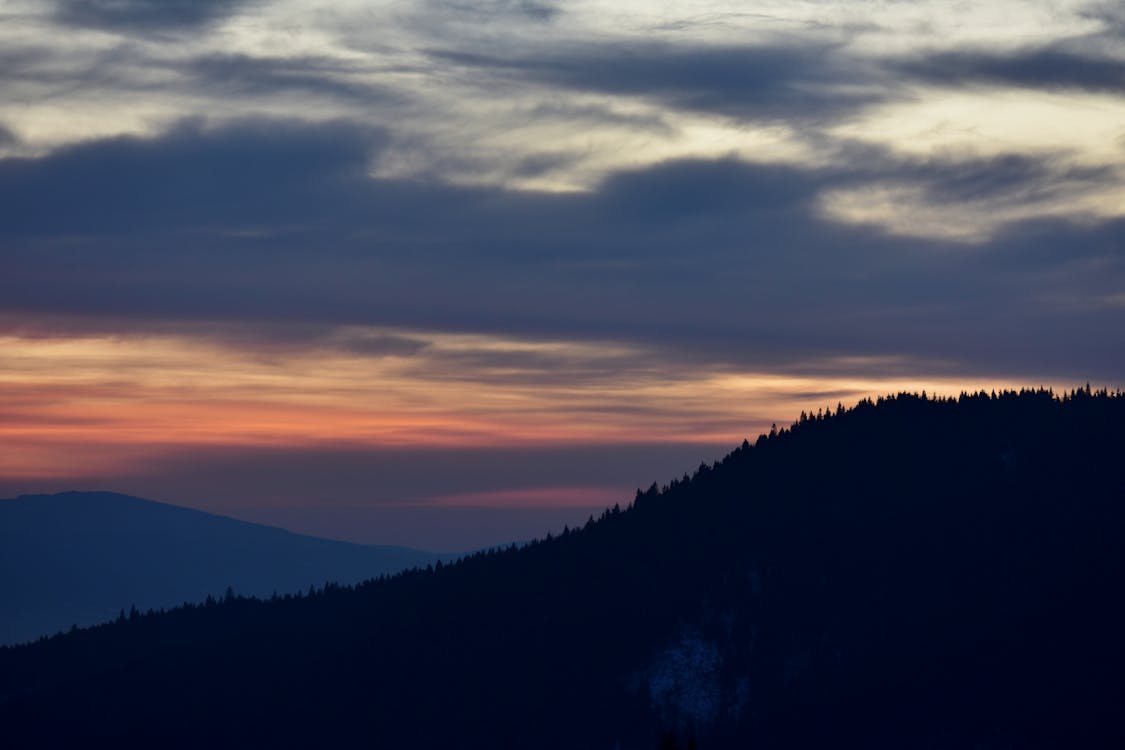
<point>438,273</point>
<point>487,523</point>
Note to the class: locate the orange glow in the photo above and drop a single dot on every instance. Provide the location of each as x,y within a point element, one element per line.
<point>95,405</point>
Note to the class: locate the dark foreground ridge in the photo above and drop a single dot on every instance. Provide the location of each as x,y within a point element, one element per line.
<point>908,573</point>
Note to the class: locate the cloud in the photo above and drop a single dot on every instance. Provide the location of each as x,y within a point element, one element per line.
<point>486,10</point>
<point>243,75</point>
<point>702,188</point>
<point>189,177</point>
<point>970,199</point>
<point>794,81</point>
<point>144,15</point>
<point>594,114</point>
<point>1042,68</point>
<point>381,344</point>
<point>1003,177</point>
<point>280,224</point>
<point>1109,14</point>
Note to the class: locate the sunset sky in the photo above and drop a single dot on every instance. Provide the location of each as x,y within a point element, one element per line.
<point>449,273</point>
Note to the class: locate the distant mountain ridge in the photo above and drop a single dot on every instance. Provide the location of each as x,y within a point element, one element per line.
<point>908,573</point>
<point>79,558</point>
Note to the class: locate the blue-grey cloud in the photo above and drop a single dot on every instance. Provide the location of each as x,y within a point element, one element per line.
<point>1042,68</point>
<point>486,10</point>
<point>1109,14</point>
<point>243,75</point>
<point>777,82</point>
<point>144,15</point>
<point>22,62</point>
<point>187,178</point>
<point>1011,179</point>
<point>986,179</point>
<point>565,111</point>
<point>280,224</point>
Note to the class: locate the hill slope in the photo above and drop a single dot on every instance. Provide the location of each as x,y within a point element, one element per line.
<point>81,557</point>
<point>909,573</point>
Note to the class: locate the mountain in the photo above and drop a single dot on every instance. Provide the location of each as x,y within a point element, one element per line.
<point>82,557</point>
<point>908,573</point>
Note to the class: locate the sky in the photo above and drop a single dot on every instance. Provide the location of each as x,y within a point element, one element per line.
<point>449,273</point>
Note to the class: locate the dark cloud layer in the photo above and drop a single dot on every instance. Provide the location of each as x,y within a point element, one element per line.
<point>1045,68</point>
<point>144,15</point>
<point>792,81</point>
<point>1002,177</point>
<point>485,10</point>
<point>243,75</point>
<point>781,82</point>
<point>279,224</point>
<point>186,178</point>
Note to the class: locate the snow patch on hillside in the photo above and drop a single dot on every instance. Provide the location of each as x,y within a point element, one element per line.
<point>684,681</point>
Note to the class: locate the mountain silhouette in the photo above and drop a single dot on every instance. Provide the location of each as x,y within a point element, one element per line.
<point>79,558</point>
<point>911,572</point>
